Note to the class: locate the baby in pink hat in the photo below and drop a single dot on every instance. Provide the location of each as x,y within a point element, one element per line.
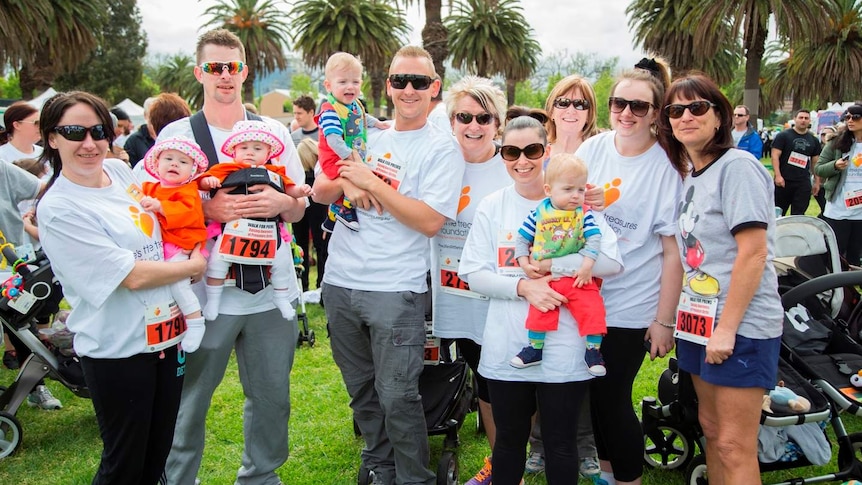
<point>176,163</point>
<point>252,145</point>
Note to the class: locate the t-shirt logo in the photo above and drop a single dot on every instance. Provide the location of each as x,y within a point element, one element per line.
<point>612,192</point>
<point>143,220</point>
<point>464,201</point>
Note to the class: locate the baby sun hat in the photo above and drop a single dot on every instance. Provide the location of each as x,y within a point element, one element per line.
<point>181,144</point>
<point>252,130</point>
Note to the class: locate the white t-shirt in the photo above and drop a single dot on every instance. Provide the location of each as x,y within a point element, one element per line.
<point>461,313</point>
<point>497,220</point>
<point>837,208</point>
<point>386,255</point>
<point>93,238</point>
<point>641,196</point>
<point>235,301</point>
<point>11,154</point>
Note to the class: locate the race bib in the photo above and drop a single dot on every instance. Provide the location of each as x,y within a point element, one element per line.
<point>388,170</point>
<point>249,242</point>
<point>507,264</point>
<point>853,199</point>
<point>798,160</point>
<point>695,318</point>
<point>165,325</point>
<point>451,283</point>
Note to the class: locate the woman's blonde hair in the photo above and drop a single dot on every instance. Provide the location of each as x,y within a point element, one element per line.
<point>308,153</point>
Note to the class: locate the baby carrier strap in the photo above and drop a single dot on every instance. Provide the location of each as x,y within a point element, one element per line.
<point>202,135</point>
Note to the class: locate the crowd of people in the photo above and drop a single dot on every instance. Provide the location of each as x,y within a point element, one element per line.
<point>516,212</point>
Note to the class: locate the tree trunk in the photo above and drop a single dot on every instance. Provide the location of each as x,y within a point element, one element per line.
<point>37,74</point>
<point>753,58</point>
<point>378,85</point>
<point>248,87</point>
<point>510,90</point>
<point>435,36</point>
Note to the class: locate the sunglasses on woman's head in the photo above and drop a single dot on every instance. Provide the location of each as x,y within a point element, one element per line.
<point>537,115</point>
<point>639,108</point>
<point>419,82</point>
<point>78,132</point>
<point>696,108</point>
<point>531,151</point>
<point>578,104</point>
<point>217,68</point>
<point>466,118</point>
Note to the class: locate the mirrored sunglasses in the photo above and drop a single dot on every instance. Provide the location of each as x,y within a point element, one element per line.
<point>419,82</point>
<point>467,118</point>
<point>217,68</point>
<point>696,108</point>
<point>532,151</point>
<point>639,108</point>
<point>78,132</point>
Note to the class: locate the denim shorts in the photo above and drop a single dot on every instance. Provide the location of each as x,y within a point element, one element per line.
<point>754,363</point>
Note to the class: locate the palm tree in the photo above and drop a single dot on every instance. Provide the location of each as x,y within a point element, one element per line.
<point>795,20</point>
<point>369,29</point>
<point>829,66</point>
<point>658,27</point>
<point>528,62</point>
<point>260,26</point>
<point>492,37</point>
<point>44,38</point>
<point>434,34</point>
<point>176,74</point>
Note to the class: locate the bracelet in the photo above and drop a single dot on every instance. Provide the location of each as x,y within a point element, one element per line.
<point>665,325</point>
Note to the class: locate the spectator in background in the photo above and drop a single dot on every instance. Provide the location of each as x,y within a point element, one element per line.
<point>124,126</point>
<point>303,114</point>
<point>139,142</point>
<point>22,130</point>
<point>115,150</point>
<point>310,224</point>
<point>167,108</point>
<point>743,132</point>
<point>794,155</point>
<point>250,107</point>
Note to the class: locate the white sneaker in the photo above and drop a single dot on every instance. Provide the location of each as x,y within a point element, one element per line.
<point>535,463</point>
<point>42,398</point>
<point>589,467</point>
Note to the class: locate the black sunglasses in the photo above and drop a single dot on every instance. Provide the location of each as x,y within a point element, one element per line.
<point>78,132</point>
<point>538,115</point>
<point>467,118</point>
<point>217,68</point>
<point>531,151</point>
<point>578,104</point>
<point>419,82</point>
<point>696,108</point>
<point>852,116</point>
<point>639,108</point>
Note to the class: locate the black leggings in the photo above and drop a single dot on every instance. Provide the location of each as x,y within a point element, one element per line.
<point>619,437</point>
<point>848,234</point>
<point>514,406</point>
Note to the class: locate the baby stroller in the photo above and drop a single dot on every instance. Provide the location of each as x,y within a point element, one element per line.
<point>305,334</point>
<point>447,397</point>
<point>30,290</point>
<point>817,365</point>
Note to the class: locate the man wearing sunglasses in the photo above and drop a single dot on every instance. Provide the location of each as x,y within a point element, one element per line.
<point>794,154</point>
<point>374,287</point>
<point>268,340</point>
<point>744,135</point>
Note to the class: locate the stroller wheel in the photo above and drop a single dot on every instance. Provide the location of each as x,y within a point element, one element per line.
<point>696,472</point>
<point>311,338</point>
<point>846,458</point>
<point>667,448</point>
<point>447,469</point>
<point>10,434</point>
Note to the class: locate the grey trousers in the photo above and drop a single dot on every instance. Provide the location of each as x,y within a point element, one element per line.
<point>265,343</point>
<point>377,342</point>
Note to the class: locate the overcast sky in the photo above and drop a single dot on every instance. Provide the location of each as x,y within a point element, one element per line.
<point>578,26</point>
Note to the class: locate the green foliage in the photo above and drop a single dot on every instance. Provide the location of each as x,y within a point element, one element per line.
<point>114,70</point>
<point>602,88</point>
<point>300,83</point>
<point>175,74</point>
<point>287,106</point>
<point>10,87</point>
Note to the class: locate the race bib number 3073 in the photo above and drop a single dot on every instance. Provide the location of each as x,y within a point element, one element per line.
<point>695,318</point>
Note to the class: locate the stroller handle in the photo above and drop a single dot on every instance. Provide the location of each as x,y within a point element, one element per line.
<point>818,285</point>
<point>11,256</point>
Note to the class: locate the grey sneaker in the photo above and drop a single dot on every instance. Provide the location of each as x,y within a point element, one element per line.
<point>42,398</point>
<point>589,467</point>
<point>535,463</point>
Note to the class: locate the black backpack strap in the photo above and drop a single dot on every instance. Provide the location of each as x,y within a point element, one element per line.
<point>202,135</point>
